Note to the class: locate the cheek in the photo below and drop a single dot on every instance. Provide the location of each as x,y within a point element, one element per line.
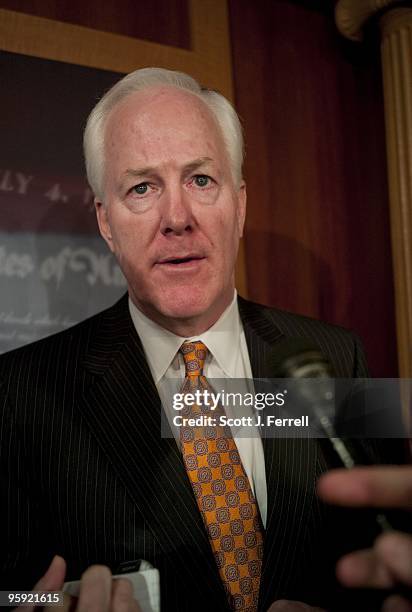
<point>127,247</point>
<point>220,223</point>
<point>131,234</point>
<point>225,241</point>
<point>227,228</point>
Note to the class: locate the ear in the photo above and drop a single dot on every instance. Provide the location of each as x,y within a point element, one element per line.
<point>104,223</point>
<point>241,210</point>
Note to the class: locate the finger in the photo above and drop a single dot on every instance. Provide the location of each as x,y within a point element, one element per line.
<point>396,604</point>
<point>394,550</point>
<point>380,486</point>
<point>123,597</point>
<point>389,562</point>
<point>95,590</point>
<point>364,569</point>
<point>52,580</point>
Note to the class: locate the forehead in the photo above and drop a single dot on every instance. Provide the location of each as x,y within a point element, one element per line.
<point>161,122</point>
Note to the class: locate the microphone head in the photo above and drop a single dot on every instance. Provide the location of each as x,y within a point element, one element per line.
<point>311,379</point>
<point>298,358</point>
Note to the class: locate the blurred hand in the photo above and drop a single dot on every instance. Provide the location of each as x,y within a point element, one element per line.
<point>98,592</point>
<point>389,562</point>
<point>52,580</point>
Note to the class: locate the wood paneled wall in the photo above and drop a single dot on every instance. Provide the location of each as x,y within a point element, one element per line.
<point>161,21</point>
<point>318,236</point>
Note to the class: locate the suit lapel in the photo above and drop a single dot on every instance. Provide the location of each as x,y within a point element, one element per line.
<point>123,410</point>
<point>290,470</point>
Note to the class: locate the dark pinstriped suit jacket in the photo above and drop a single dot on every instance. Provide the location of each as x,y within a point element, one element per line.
<point>85,474</point>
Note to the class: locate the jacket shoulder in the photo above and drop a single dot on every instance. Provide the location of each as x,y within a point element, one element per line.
<point>63,349</point>
<point>342,346</point>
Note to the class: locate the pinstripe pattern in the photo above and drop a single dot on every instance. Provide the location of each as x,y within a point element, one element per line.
<point>84,473</point>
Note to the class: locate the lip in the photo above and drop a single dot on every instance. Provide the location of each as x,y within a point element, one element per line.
<point>181,262</point>
<point>180,256</point>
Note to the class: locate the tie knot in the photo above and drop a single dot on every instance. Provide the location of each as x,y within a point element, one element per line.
<point>194,355</point>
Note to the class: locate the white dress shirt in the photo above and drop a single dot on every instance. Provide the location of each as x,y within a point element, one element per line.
<point>228,357</point>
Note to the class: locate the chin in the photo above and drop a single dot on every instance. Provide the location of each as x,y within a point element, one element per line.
<point>201,305</point>
<point>186,305</point>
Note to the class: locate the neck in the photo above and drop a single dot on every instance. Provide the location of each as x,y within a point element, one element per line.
<point>187,328</point>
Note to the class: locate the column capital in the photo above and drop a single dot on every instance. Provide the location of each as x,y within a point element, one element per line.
<point>351,15</point>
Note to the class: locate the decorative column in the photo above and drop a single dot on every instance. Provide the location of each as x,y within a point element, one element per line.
<point>395,23</point>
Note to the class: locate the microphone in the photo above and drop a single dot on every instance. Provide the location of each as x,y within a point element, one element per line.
<point>300,359</point>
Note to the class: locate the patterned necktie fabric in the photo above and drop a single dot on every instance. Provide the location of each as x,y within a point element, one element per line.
<point>223,493</point>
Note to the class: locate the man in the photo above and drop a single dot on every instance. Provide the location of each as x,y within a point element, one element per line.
<point>85,472</point>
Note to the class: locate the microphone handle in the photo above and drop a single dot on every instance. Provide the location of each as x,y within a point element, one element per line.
<point>348,461</point>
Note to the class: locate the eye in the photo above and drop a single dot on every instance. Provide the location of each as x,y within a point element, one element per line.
<point>202,180</point>
<point>141,188</point>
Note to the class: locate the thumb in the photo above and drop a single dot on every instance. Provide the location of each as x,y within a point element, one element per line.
<point>52,580</point>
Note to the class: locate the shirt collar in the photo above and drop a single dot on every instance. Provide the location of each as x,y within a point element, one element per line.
<point>161,345</point>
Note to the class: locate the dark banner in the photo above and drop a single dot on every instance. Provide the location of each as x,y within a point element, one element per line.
<point>55,270</point>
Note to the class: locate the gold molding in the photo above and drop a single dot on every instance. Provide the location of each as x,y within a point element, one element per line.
<point>209,59</point>
<point>396,27</point>
<point>394,20</point>
<point>351,15</point>
<point>396,50</point>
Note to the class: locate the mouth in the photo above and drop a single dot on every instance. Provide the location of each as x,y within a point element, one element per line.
<point>185,261</point>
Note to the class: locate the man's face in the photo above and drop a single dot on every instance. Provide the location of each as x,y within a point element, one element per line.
<point>171,212</point>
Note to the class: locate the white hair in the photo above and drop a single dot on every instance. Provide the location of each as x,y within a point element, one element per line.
<point>145,78</point>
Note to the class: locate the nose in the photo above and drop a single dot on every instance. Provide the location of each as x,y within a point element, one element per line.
<point>177,214</point>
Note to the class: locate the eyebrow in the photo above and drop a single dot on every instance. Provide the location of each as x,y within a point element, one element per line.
<point>196,163</point>
<point>148,170</point>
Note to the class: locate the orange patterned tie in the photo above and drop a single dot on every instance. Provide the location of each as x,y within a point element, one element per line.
<point>223,492</point>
